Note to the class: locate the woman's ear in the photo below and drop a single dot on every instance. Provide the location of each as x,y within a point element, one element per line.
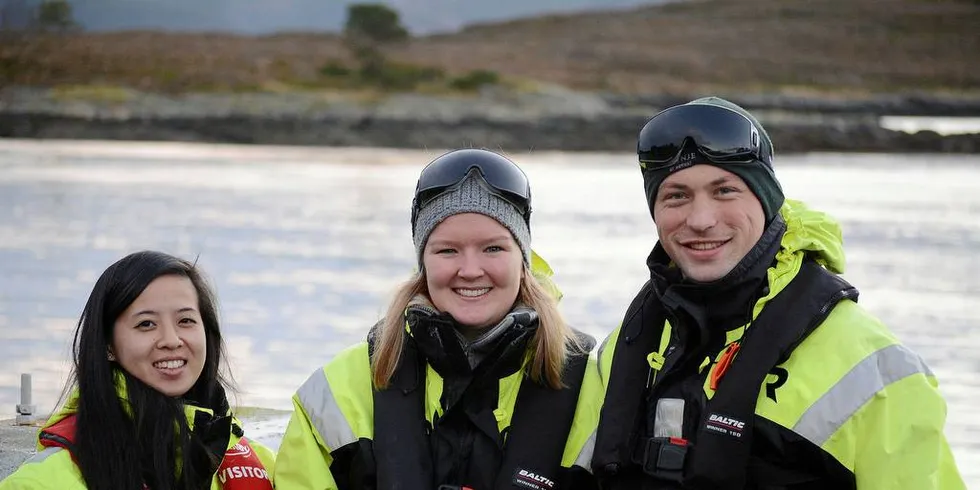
<point>109,355</point>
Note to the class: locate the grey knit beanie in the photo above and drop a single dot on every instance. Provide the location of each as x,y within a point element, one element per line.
<point>472,195</point>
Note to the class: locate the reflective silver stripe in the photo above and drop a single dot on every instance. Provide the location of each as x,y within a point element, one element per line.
<point>43,455</point>
<point>598,357</point>
<point>321,406</point>
<point>867,378</point>
<point>584,459</point>
<point>602,347</point>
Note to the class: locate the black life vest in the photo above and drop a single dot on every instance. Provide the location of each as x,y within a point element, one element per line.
<point>534,444</point>
<point>719,459</point>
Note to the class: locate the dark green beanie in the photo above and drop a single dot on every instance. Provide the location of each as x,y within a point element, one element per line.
<point>758,176</point>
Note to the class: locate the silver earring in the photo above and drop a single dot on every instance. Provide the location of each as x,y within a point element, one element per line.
<point>110,356</point>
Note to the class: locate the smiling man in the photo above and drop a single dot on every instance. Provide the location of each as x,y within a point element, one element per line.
<point>745,361</point>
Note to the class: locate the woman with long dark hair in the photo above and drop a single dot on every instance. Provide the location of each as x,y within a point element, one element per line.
<point>146,405</point>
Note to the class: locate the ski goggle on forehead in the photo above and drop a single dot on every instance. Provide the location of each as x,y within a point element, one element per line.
<point>502,177</point>
<point>721,135</point>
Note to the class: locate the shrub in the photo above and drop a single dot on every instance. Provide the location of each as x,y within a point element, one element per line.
<point>335,69</point>
<point>475,79</point>
<point>400,76</point>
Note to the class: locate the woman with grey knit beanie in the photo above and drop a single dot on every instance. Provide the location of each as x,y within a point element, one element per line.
<point>472,380</point>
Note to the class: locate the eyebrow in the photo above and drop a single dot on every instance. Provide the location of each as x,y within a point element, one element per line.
<point>713,183</point>
<point>675,185</point>
<point>493,239</point>
<point>498,238</point>
<point>151,312</point>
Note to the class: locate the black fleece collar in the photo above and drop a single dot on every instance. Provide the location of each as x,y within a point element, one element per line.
<point>718,306</point>
<point>498,352</point>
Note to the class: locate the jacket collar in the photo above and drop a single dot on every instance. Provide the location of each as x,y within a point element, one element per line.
<point>807,234</point>
<point>718,306</point>
<point>498,352</point>
<point>194,413</point>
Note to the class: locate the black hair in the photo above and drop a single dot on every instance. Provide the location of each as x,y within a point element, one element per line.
<point>146,438</point>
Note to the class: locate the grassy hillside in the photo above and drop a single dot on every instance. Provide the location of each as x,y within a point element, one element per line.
<point>728,46</point>
<point>737,44</point>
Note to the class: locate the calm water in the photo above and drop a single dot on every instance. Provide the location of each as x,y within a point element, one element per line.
<point>305,245</point>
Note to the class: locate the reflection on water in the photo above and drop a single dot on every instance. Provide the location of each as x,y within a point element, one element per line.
<point>941,125</point>
<point>305,245</point>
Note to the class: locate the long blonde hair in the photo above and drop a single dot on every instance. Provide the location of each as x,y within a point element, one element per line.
<point>552,345</point>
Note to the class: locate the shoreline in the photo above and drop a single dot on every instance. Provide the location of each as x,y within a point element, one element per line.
<point>17,444</point>
<point>551,118</point>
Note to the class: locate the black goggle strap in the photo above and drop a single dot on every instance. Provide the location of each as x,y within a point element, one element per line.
<point>433,193</point>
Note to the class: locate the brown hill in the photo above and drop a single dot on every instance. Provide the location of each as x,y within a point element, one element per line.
<point>729,46</point>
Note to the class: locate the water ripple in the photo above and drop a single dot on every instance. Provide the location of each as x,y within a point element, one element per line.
<point>305,245</point>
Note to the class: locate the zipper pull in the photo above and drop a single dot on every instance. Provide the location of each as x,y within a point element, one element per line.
<point>656,362</point>
<point>723,364</point>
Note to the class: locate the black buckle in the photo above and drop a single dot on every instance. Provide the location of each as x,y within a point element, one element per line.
<point>663,457</point>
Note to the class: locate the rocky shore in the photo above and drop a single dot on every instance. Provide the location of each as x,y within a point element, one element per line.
<point>546,119</point>
<point>17,444</point>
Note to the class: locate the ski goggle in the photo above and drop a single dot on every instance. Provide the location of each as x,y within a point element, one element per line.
<point>720,134</point>
<point>502,177</point>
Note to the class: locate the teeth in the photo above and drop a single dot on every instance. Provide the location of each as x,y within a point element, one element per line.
<point>705,246</point>
<point>472,293</point>
<point>169,364</point>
